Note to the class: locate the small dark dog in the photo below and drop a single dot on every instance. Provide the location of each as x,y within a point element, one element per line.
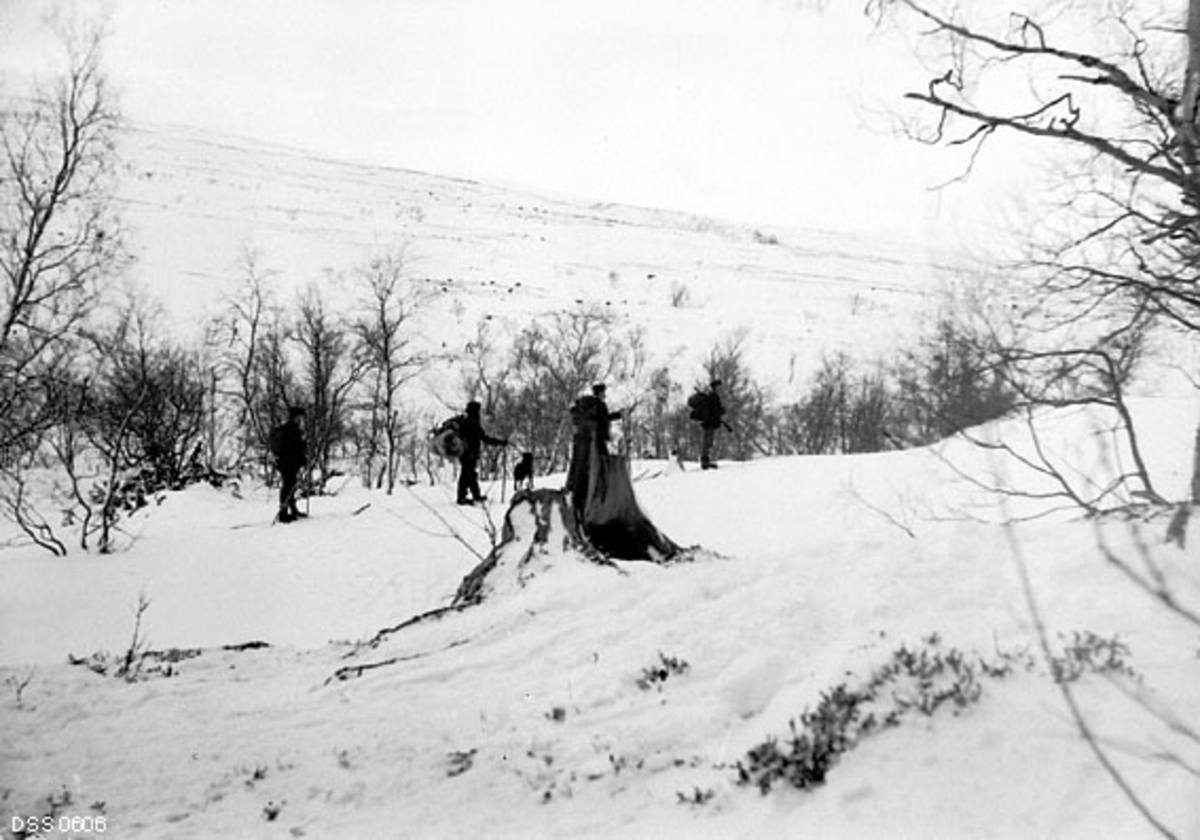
<point>523,472</point>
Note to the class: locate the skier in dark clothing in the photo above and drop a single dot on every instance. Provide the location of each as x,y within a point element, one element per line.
<point>707,410</point>
<point>291,454</point>
<point>593,423</point>
<point>470,430</point>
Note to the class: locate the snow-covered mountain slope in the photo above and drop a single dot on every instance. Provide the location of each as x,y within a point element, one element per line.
<point>194,202</point>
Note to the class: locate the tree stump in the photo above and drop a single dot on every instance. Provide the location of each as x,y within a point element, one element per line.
<point>540,527</point>
<point>612,519</point>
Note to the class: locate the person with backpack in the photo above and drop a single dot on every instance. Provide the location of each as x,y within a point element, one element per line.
<point>707,410</point>
<point>593,428</point>
<point>469,429</point>
<point>290,451</point>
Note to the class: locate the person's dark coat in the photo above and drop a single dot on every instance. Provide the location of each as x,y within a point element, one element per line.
<point>593,420</point>
<point>291,454</point>
<point>708,411</point>
<point>713,411</point>
<point>470,429</point>
<point>593,427</point>
<point>289,447</point>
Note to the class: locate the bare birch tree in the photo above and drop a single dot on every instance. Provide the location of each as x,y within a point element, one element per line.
<point>241,339</point>
<point>1106,91</point>
<point>60,244</point>
<point>389,352</point>
<point>329,371</point>
<point>1110,91</point>
<point>60,239</point>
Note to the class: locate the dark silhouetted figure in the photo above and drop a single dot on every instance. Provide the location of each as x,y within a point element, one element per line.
<point>707,410</point>
<point>601,490</point>
<point>291,454</point>
<point>593,423</point>
<point>470,430</point>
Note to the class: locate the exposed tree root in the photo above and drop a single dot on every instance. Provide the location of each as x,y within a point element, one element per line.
<point>539,529</point>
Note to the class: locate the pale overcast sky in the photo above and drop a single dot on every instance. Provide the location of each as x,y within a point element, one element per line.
<point>751,110</point>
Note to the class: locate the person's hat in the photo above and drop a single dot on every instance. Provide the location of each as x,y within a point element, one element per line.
<point>473,407</point>
<point>599,388</point>
<point>296,411</point>
<point>716,383</point>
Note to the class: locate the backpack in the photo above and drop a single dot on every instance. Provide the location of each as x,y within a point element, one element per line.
<point>452,424</point>
<point>275,441</point>
<point>583,410</point>
<point>700,405</point>
<point>447,438</point>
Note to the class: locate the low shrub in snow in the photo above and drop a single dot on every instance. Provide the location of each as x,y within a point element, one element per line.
<point>927,678</point>
<point>18,685</point>
<point>921,680</point>
<point>656,675</point>
<point>1086,652</point>
<point>817,739</point>
<point>697,797</point>
<point>135,665</point>
<point>138,661</point>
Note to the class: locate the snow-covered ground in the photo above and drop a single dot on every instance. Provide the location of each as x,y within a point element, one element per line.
<point>599,702</point>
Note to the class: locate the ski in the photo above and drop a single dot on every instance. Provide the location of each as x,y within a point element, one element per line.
<point>257,524</point>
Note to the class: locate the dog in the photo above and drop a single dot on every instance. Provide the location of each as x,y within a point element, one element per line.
<point>523,472</point>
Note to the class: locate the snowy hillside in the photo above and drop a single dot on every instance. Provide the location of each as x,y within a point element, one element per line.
<point>606,702</point>
<point>194,201</point>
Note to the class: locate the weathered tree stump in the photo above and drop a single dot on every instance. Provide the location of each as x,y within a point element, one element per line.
<point>612,519</point>
<point>541,526</point>
<point>540,529</point>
